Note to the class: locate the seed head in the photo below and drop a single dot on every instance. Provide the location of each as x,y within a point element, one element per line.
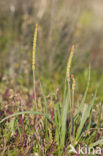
<point>73,83</point>
<point>34,47</point>
<point>69,64</point>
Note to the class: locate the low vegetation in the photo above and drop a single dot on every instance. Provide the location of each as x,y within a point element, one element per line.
<point>32,123</point>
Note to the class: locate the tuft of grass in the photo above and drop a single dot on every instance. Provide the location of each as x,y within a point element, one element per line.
<point>57,122</point>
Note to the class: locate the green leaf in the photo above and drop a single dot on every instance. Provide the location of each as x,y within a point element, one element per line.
<point>45,100</point>
<point>11,126</point>
<point>86,91</point>
<point>86,113</point>
<point>27,112</point>
<point>99,116</point>
<point>46,107</point>
<point>63,124</point>
<point>99,142</point>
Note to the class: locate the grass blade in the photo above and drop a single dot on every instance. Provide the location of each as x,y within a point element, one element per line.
<point>99,142</point>
<point>85,115</point>
<point>86,91</point>
<point>63,124</point>
<point>26,112</point>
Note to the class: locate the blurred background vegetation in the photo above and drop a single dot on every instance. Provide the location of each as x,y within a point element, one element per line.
<point>61,24</point>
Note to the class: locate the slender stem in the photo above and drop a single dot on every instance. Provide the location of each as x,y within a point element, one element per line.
<point>70,107</point>
<point>34,88</point>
